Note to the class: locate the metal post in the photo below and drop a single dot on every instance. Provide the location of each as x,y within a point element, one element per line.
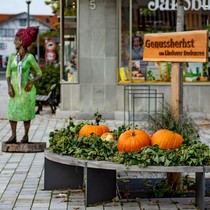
<point>28,12</point>
<point>61,38</point>
<point>38,50</point>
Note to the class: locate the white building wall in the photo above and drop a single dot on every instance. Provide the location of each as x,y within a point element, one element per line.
<point>14,23</point>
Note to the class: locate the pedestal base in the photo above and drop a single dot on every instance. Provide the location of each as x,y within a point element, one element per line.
<point>26,147</point>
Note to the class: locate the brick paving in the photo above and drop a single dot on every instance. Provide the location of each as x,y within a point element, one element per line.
<point>22,176</point>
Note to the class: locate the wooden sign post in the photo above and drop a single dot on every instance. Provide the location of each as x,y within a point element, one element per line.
<point>188,46</point>
<point>177,47</point>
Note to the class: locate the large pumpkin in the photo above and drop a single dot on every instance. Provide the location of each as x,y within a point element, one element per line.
<point>133,140</point>
<point>166,139</point>
<point>98,130</point>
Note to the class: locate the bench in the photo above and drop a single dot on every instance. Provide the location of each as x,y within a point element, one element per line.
<point>49,100</point>
<point>99,177</point>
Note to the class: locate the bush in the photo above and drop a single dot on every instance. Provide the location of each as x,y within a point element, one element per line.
<point>50,76</point>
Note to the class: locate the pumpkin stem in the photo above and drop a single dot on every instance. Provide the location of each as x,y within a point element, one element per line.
<point>98,117</point>
<point>133,133</point>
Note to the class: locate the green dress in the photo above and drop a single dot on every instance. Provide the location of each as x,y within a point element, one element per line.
<point>22,106</point>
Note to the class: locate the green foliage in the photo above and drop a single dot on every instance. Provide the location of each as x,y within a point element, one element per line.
<point>188,182</point>
<point>55,6</point>
<point>66,141</point>
<point>121,129</point>
<point>163,188</point>
<point>98,117</point>
<point>165,119</point>
<point>195,154</point>
<point>50,76</point>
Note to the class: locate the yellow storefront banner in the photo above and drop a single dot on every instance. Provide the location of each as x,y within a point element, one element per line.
<point>188,46</point>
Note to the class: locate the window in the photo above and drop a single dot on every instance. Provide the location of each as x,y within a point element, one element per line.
<point>7,32</point>
<point>42,31</point>
<point>3,46</point>
<point>47,20</point>
<point>70,73</point>
<point>23,22</point>
<point>136,19</point>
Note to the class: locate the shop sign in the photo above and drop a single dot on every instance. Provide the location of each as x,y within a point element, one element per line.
<point>172,5</point>
<point>188,46</point>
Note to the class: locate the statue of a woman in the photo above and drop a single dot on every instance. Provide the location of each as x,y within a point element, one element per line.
<point>21,89</point>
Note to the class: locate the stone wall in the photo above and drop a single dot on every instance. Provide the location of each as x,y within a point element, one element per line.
<point>98,39</point>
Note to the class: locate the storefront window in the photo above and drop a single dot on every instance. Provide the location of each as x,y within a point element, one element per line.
<point>70,73</point>
<point>136,19</point>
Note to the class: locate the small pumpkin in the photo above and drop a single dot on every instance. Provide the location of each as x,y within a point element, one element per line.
<point>167,139</point>
<point>133,140</point>
<point>107,136</point>
<point>98,130</point>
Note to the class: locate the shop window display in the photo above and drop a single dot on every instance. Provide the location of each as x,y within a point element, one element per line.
<point>70,73</point>
<point>136,20</point>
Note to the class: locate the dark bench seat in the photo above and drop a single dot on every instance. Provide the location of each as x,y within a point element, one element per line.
<point>48,100</point>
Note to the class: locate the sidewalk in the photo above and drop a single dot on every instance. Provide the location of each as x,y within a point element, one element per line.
<point>22,176</point>
<point>3,98</point>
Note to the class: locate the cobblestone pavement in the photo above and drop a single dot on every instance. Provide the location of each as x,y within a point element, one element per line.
<point>22,176</point>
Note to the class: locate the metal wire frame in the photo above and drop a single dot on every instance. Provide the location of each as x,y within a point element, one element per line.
<point>134,92</point>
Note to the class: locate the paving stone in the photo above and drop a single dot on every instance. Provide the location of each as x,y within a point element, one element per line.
<point>185,206</point>
<point>96,208</point>
<point>168,207</point>
<point>113,206</point>
<point>40,204</point>
<point>149,207</point>
<point>4,206</point>
<point>22,177</point>
<point>21,208</point>
<point>38,208</point>
<point>130,205</point>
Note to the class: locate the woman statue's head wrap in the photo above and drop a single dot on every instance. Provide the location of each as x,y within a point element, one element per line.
<point>27,35</point>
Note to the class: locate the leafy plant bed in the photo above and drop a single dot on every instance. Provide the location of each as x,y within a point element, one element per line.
<point>66,142</point>
<point>84,140</point>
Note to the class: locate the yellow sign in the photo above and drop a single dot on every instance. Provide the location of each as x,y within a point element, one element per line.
<point>188,46</point>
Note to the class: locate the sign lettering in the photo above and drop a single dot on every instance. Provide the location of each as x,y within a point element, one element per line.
<point>176,47</point>
<point>172,5</point>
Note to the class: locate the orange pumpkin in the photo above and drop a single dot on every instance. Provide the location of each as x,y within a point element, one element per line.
<point>167,139</point>
<point>107,136</point>
<point>133,140</point>
<point>98,130</point>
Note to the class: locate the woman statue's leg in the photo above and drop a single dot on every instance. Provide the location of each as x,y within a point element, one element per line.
<point>12,139</point>
<point>26,127</point>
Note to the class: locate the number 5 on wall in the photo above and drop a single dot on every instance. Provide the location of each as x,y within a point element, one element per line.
<point>92,4</point>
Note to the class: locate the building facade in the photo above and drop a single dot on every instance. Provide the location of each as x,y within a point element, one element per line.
<point>102,35</point>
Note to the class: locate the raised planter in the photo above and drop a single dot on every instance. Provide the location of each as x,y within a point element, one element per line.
<point>99,177</point>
